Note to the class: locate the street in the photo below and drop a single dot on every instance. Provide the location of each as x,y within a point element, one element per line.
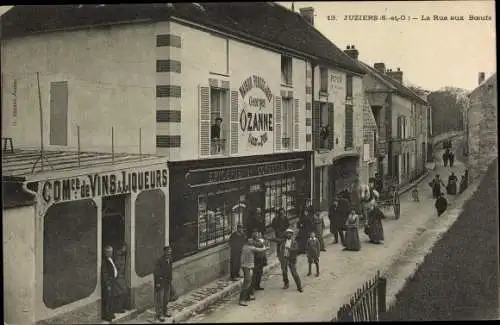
<point>342,272</point>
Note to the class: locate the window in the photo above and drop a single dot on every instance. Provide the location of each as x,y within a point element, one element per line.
<point>287,122</point>
<point>286,70</point>
<point>69,256</point>
<point>348,87</point>
<point>349,126</point>
<point>324,123</point>
<point>59,113</point>
<point>218,214</point>
<point>323,73</point>
<point>149,230</point>
<point>280,193</point>
<point>219,120</point>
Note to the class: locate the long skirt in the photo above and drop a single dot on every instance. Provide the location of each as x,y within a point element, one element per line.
<point>352,242</point>
<point>376,231</point>
<point>452,188</point>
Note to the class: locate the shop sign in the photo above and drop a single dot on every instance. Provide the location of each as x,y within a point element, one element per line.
<point>256,116</point>
<point>211,176</point>
<point>101,184</point>
<point>337,82</point>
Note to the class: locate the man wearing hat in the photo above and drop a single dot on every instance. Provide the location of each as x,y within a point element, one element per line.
<point>287,254</point>
<point>236,242</point>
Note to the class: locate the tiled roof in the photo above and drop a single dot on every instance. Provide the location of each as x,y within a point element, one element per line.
<point>392,83</point>
<point>490,80</point>
<point>263,22</point>
<point>20,165</point>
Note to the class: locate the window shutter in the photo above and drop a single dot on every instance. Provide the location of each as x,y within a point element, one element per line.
<point>399,126</point>
<point>331,124</point>
<point>296,121</point>
<point>277,123</point>
<point>316,124</point>
<point>204,114</point>
<point>234,121</point>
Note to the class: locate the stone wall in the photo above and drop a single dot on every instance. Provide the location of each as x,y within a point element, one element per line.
<point>483,127</point>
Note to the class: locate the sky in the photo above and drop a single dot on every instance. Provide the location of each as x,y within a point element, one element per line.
<point>431,53</point>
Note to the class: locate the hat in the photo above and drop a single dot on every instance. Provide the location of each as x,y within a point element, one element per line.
<point>218,118</point>
<point>289,230</point>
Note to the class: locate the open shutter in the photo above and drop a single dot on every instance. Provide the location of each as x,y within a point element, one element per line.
<point>277,123</point>
<point>234,121</point>
<point>316,124</point>
<point>204,114</point>
<point>331,124</point>
<point>349,127</point>
<point>296,123</point>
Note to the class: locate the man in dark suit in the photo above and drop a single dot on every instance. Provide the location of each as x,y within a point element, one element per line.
<point>336,216</point>
<point>163,284</point>
<point>109,273</point>
<point>256,223</point>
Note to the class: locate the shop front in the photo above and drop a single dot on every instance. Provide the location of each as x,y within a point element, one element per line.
<point>212,196</point>
<point>345,171</point>
<point>79,212</point>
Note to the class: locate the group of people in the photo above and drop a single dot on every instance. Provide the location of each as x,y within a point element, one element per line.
<point>448,156</point>
<point>115,293</point>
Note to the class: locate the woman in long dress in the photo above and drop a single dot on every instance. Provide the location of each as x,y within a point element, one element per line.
<point>375,228</point>
<point>352,242</point>
<point>452,184</point>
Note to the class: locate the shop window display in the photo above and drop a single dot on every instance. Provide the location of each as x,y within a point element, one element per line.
<point>280,193</point>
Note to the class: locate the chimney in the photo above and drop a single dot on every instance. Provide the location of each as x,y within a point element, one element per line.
<point>380,67</point>
<point>352,52</point>
<point>308,14</point>
<point>482,76</point>
<point>397,75</point>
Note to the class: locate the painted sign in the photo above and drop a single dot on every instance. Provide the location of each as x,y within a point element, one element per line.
<point>101,184</point>
<point>212,176</point>
<point>256,115</point>
<point>337,83</point>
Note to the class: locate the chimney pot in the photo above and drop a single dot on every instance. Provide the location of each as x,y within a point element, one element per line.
<point>352,47</point>
<point>348,47</point>
<point>308,14</point>
<point>399,69</point>
<point>380,67</point>
<point>481,78</point>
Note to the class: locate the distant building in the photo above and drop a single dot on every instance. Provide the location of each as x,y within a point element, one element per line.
<point>447,111</point>
<point>482,128</point>
<point>401,116</point>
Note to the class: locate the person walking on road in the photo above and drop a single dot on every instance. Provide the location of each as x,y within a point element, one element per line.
<point>319,226</point>
<point>236,242</point>
<point>313,251</point>
<point>352,242</point>
<point>452,158</point>
<point>379,183</point>
<point>375,228</point>
<point>163,284</point>
<point>452,184</point>
<point>305,225</point>
<point>260,260</point>
<point>446,155</point>
<point>441,204</point>
<point>247,265</point>
<point>435,184</point>
<point>368,198</point>
<point>336,222</point>
<point>462,185</point>
<point>288,258</point>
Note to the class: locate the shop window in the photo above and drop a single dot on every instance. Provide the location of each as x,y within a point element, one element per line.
<point>323,74</point>
<point>280,193</point>
<point>218,214</point>
<point>287,122</point>
<point>219,120</point>
<point>150,217</point>
<point>286,70</point>
<point>69,252</point>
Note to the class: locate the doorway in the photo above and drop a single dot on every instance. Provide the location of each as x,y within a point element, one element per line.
<point>113,221</point>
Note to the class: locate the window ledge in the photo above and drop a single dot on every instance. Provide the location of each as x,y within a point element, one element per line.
<point>219,74</point>
<point>323,93</point>
<point>286,85</point>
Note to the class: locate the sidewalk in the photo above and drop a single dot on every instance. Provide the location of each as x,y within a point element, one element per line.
<point>338,283</point>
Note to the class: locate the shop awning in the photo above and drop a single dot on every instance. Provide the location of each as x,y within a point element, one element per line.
<point>25,165</point>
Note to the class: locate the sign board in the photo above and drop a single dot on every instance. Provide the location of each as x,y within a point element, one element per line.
<point>337,83</point>
<point>256,120</point>
<point>96,185</point>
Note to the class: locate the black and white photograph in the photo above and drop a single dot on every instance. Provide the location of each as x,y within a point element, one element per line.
<point>257,162</point>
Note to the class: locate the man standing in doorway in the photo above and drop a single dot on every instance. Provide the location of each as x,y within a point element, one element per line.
<point>163,284</point>
<point>109,273</point>
<point>121,289</point>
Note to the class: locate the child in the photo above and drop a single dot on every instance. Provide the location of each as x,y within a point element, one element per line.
<point>313,248</point>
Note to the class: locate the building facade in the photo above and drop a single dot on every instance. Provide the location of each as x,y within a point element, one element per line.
<point>221,98</point>
<point>482,131</point>
<point>401,118</point>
